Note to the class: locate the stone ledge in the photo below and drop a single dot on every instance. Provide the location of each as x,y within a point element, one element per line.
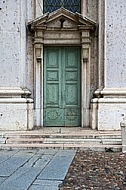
<point>13,92</point>
<point>15,100</point>
<point>111,92</point>
<point>109,100</point>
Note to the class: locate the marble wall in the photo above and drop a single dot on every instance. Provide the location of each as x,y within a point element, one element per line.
<point>115,44</point>
<point>16,109</point>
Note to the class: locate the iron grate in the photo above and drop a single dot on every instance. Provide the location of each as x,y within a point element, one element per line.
<point>52,5</point>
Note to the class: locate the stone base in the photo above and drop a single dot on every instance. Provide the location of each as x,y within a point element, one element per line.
<point>16,109</point>
<point>16,114</point>
<point>108,109</point>
<point>107,113</point>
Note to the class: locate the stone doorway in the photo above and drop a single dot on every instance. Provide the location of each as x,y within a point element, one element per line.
<point>62,28</point>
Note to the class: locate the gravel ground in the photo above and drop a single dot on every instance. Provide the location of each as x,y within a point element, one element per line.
<point>97,171</point>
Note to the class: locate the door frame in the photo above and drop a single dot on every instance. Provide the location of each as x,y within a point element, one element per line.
<point>85,80</point>
<point>48,32</point>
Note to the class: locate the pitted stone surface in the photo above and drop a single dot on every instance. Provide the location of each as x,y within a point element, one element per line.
<point>115,45</point>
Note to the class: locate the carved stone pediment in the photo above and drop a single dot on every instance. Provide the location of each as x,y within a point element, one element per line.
<point>62,19</point>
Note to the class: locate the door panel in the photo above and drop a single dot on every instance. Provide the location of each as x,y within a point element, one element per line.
<point>72,87</point>
<point>53,95</point>
<point>71,95</point>
<point>62,86</point>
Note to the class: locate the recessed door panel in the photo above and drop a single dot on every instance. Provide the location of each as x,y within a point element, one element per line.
<point>62,86</point>
<point>53,95</point>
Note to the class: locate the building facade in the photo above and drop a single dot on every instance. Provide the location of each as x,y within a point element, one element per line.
<point>62,64</point>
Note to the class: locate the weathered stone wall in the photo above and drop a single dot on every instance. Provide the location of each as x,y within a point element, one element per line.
<point>16,46</point>
<point>115,43</point>
<point>109,108</point>
<point>15,108</point>
<point>12,42</point>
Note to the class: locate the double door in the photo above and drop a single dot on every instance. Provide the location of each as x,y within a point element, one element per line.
<point>61,86</point>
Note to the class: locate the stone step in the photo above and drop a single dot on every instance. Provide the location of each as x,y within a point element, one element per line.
<point>62,140</point>
<point>89,141</point>
<point>24,140</point>
<point>71,140</point>
<point>56,138</point>
<point>86,146</point>
<point>52,140</point>
<point>58,135</point>
<point>111,141</point>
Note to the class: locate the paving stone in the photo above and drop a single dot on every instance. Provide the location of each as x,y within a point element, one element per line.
<point>25,175</point>
<point>45,185</point>
<point>19,170</point>
<point>6,154</point>
<point>12,164</point>
<point>47,151</point>
<point>58,167</point>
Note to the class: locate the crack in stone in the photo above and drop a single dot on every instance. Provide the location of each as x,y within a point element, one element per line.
<point>19,166</point>
<point>41,170</point>
<point>34,163</point>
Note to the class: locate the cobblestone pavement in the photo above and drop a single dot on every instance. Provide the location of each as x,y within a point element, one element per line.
<point>33,169</point>
<point>92,170</point>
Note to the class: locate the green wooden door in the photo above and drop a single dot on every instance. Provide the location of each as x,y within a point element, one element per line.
<point>62,86</point>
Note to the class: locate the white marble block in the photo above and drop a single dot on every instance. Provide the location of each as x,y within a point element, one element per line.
<point>108,111</point>
<point>16,109</point>
<point>16,114</point>
<point>110,114</point>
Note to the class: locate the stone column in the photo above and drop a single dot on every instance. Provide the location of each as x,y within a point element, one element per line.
<point>85,75</point>
<point>38,66</point>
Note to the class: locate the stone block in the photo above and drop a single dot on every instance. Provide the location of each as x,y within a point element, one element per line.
<point>58,166</point>
<point>108,113</point>
<point>16,114</point>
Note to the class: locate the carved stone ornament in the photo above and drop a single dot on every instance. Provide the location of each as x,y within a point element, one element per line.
<point>60,27</point>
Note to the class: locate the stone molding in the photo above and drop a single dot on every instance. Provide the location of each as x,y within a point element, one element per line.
<point>111,93</point>
<point>16,100</point>
<point>15,92</point>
